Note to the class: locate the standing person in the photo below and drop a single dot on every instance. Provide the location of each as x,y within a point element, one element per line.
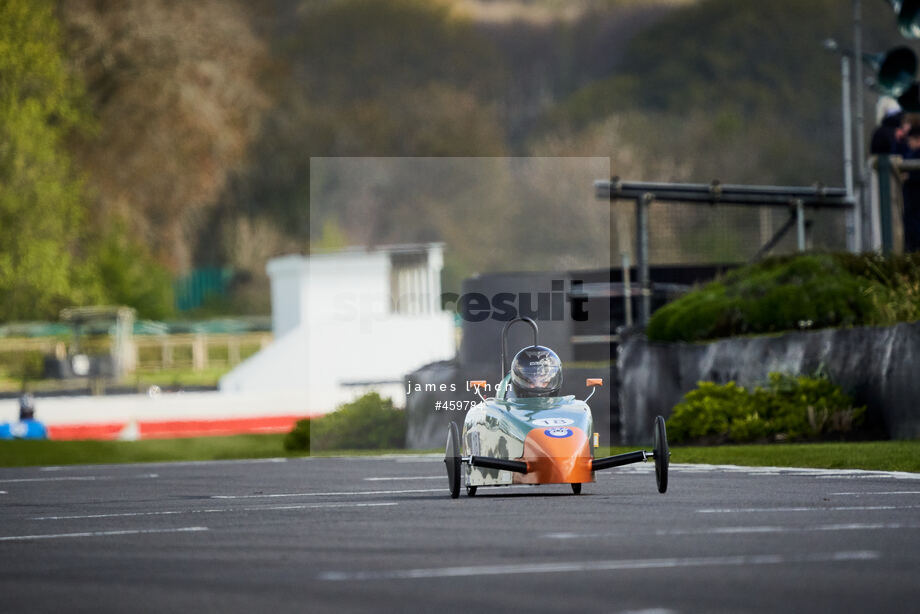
<point>27,427</point>
<point>888,137</point>
<point>911,192</point>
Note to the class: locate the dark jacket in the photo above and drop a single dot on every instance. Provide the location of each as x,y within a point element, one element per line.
<point>883,139</point>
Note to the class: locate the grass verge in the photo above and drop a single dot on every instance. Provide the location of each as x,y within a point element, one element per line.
<point>878,455</point>
<point>141,380</point>
<point>25,453</point>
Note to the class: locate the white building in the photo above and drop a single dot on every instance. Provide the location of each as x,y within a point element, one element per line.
<point>348,322</point>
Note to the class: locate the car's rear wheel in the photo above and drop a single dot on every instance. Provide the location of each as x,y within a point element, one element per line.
<point>662,454</point>
<point>452,460</point>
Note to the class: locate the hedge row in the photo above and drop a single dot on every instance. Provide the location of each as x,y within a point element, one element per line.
<point>369,423</point>
<point>788,408</point>
<point>816,290</point>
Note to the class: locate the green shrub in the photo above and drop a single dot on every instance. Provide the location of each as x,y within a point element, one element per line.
<point>788,408</point>
<point>696,315</point>
<point>369,423</point>
<point>887,270</point>
<point>131,276</point>
<point>792,292</point>
<point>299,437</point>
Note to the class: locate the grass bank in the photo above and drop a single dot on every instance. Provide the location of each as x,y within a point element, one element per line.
<point>879,455</point>
<point>25,453</point>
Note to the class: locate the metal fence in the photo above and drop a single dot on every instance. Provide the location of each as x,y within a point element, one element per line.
<point>193,290</point>
<point>197,352</point>
<point>679,223</point>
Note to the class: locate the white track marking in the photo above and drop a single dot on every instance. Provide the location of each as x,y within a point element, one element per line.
<point>246,461</point>
<point>854,526</point>
<point>3,492</point>
<point>414,477</point>
<point>13,538</point>
<point>83,478</point>
<point>396,457</point>
<point>842,508</point>
<point>770,471</point>
<point>873,493</point>
<point>215,511</point>
<point>589,566</point>
<point>354,493</point>
<point>420,458</point>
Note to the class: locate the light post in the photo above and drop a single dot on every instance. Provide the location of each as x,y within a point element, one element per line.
<point>854,223</point>
<point>859,127</point>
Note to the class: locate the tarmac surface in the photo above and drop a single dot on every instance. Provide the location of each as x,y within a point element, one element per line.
<point>381,534</point>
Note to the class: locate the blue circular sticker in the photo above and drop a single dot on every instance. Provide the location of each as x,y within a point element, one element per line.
<point>559,433</point>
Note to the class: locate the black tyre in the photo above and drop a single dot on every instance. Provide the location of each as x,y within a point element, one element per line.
<point>452,460</point>
<point>471,491</point>
<point>662,455</point>
<point>576,488</point>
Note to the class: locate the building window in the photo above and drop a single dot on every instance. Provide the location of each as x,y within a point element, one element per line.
<point>412,285</point>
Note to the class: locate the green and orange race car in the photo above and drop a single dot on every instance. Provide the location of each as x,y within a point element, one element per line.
<point>528,434</point>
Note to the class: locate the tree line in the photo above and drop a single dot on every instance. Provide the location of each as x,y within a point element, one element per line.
<point>142,139</point>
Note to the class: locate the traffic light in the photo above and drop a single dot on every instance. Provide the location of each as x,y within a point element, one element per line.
<point>908,12</point>
<point>899,61</point>
<point>895,70</point>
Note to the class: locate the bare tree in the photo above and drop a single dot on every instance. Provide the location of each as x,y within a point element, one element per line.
<point>177,92</point>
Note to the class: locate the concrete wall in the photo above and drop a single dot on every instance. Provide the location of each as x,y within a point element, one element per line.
<point>878,366</point>
<point>186,414</point>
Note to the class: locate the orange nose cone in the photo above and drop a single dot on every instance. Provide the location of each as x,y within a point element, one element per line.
<point>559,455</point>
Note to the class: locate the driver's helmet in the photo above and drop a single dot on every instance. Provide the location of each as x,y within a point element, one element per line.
<point>536,371</point>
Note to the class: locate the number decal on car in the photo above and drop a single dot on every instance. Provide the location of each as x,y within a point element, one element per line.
<point>553,422</point>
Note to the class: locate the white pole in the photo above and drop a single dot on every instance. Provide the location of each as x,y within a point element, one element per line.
<point>853,235</point>
<point>627,288</point>
<point>860,128</point>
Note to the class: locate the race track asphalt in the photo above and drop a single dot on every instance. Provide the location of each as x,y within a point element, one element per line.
<point>381,534</point>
